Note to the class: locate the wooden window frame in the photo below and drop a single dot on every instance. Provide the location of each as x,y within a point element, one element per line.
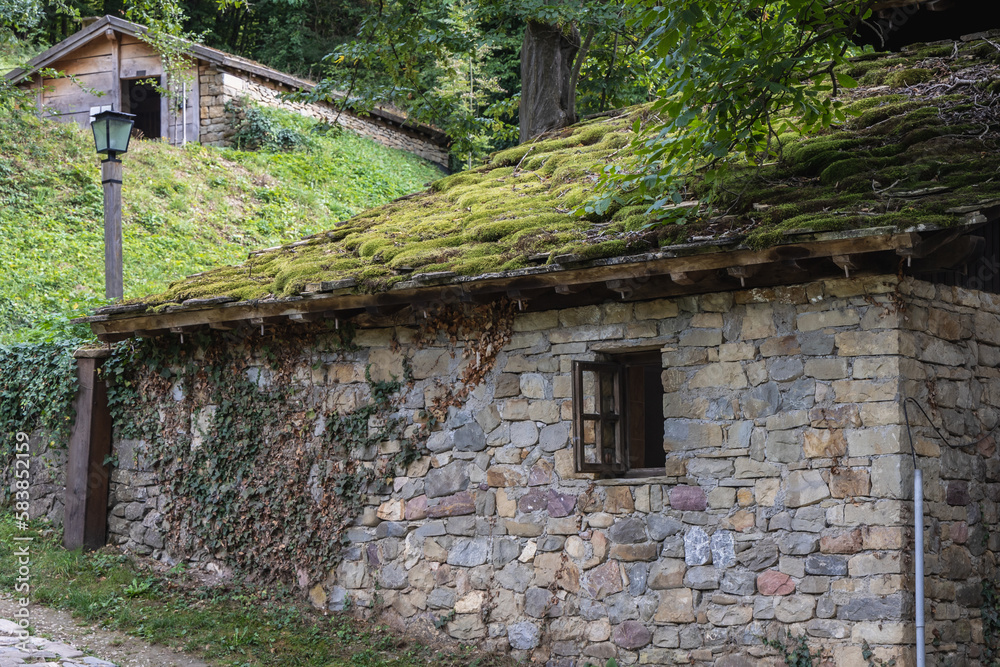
<point>619,454</point>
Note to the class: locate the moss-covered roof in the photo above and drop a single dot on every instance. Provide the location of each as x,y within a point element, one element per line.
<point>920,144</point>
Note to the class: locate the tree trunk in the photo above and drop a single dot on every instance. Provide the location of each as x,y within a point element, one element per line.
<point>547,58</point>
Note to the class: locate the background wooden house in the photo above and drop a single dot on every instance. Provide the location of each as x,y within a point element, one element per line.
<point>109,65</point>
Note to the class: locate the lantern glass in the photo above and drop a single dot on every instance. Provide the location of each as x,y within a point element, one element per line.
<point>112,131</point>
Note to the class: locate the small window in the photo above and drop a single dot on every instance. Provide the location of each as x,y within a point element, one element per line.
<point>618,415</point>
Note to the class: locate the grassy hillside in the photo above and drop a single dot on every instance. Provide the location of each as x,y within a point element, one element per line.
<point>185,209</point>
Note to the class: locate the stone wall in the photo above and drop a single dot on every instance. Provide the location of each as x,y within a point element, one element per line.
<point>218,87</point>
<point>135,519</point>
<point>950,359</point>
<point>47,479</point>
<point>784,504</point>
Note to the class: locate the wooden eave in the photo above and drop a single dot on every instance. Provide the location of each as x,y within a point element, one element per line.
<point>676,271</point>
<point>208,54</point>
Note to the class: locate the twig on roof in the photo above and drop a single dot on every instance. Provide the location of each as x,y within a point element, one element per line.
<point>878,192</point>
<point>530,148</point>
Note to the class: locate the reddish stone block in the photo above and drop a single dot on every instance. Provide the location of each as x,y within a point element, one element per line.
<point>688,498</point>
<point>987,446</point>
<point>773,582</point>
<point>844,543</point>
<point>534,500</point>
<point>632,635</point>
<point>456,505</point>
<point>540,474</point>
<point>560,504</point>
<point>416,508</point>
<point>958,493</point>
<point>603,580</point>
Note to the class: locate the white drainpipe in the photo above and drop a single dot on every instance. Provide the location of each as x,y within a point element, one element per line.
<point>918,537</point>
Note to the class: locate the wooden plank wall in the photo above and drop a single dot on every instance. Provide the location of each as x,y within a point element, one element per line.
<point>138,59</point>
<point>67,100</point>
<point>191,111</point>
<point>98,68</point>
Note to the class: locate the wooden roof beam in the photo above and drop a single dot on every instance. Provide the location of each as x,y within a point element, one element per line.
<point>742,272</point>
<point>223,326</point>
<point>846,263</point>
<point>679,262</point>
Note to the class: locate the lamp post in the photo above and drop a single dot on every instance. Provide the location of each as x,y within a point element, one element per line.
<point>112,131</point>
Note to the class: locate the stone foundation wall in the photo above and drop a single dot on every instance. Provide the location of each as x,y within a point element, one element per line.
<point>47,479</point>
<point>218,87</point>
<point>784,504</point>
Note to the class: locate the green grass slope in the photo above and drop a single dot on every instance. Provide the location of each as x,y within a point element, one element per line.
<point>184,209</point>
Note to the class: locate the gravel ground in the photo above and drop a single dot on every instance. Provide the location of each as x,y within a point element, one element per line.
<point>60,640</point>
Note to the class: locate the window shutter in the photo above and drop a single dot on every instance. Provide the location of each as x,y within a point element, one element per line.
<point>599,418</point>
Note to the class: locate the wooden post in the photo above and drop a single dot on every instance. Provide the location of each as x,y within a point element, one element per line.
<point>86,521</point>
<point>111,178</point>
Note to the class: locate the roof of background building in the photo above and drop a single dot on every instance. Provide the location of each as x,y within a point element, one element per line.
<point>65,48</point>
<point>918,155</point>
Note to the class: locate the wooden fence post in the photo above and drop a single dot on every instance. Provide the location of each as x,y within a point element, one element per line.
<point>86,522</point>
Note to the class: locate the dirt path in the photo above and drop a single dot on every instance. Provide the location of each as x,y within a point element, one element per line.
<point>73,642</point>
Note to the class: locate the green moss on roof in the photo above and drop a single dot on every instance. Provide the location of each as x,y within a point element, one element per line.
<point>915,146</point>
<point>488,219</point>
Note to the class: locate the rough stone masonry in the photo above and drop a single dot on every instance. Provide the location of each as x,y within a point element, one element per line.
<point>218,87</point>
<point>784,504</point>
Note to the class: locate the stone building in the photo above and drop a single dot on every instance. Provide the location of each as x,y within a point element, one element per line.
<point>578,439</point>
<point>108,65</point>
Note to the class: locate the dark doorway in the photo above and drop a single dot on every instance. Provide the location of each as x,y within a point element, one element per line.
<point>141,98</point>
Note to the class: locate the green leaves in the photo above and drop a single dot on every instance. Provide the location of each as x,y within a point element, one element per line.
<point>249,468</point>
<point>38,383</point>
<point>730,78</point>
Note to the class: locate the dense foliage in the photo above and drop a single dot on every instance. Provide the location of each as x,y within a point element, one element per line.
<point>457,65</point>
<point>732,78</point>
<point>37,387</point>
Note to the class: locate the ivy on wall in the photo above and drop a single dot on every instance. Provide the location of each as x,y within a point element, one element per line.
<point>38,383</point>
<point>486,330</point>
<point>259,468</point>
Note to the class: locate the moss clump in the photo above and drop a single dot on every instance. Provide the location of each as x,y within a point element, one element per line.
<point>937,51</point>
<point>909,77</point>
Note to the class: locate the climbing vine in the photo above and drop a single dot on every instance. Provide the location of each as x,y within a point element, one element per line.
<point>235,441</point>
<point>486,330</point>
<point>37,386</point>
<point>261,469</point>
<point>796,652</point>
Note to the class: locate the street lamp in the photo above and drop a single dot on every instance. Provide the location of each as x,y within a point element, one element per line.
<point>112,130</point>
